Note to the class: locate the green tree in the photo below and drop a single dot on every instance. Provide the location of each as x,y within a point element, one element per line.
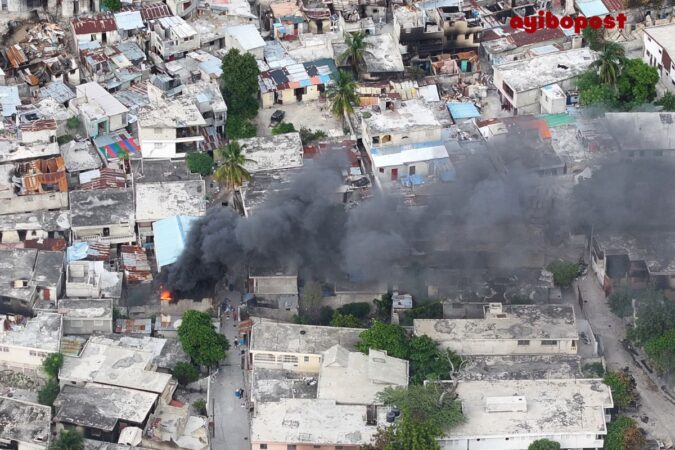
<point>240,84</point>
<point>344,320</point>
<point>73,123</point>
<point>411,434</point>
<point>199,339</point>
<point>326,314</point>
<point>200,406</point>
<point>619,384</point>
<point>383,336</point>
<point>655,317</point>
<point>637,84</point>
<point>185,373</point>
<point>52,364</point>
<point>239,128</point>
<point>309,137</point>
<point>622,434</point>
<point>593,92</point>
<point>200,163</point>
<point>667,101</point>
<point>661,351</point>
<point>342,94</point>
<point>64,139</point>
<point>356,46</point>
<point>428,361</point>
<point>621,302</point>
<point>564,272</point>
<point>429,403</point>
<point>358,309</point>
<point>111,5</point>
<point>383,307</point>
<point>68,440</point>
<point>544,444</point>
<point>49,392</point>
<point>232,171</point>
<point>609,63</point>
<point>595,37</point>
<point>283,128</point>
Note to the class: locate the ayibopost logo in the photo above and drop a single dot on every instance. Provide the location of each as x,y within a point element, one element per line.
<point>544,19</point>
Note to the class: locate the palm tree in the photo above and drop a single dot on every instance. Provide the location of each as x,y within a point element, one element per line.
<point>231,171</point>
<point>356,45</point>
<point>609,63</point>
<point>68,440</point>
<point>342,94</point>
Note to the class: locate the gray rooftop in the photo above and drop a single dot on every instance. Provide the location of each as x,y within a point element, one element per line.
<point>155,201</point>
<point>90,444</point>
<point>273,336</point>
<point>101,207</point>
<point>413,116</point>
<point>515,322</point>
<point>263,184</point>
<point>156,170</point>
<point>42,332</point>
<point>24,422</point>
<point>100,407</point>
<point>49,268</point>
<point>520,367</point>
<point>97,308</point>
<point>80,156</point>
<point>39,220</point>
<point>272,385</point>
<point>642,130</point>
<point>540,71</point>
<point>283,151</point>
<point>382,54</point>
<point>17,264</point>
<point>656,249</point>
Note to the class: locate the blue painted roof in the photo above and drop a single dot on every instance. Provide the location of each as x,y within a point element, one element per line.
<point>170,237</point>
<point>590,8</point>
<point>463,110</point>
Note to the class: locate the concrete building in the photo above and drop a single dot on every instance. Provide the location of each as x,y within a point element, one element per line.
<point>169,128</point>
<point>86,316</point>
<point>521,367</point>
<point>505,44</point>
<point>105,214</point>
<point>172,38</point>
<point>286,81</point>
<point>511,414</point>
<point>245,38</point>
<point>297,348</point>
<point>49,274</point>
<point>209,100</point>
<point>276,290</point>
<point>659,52</point>
<point>283,151</point>
<point>642,134</point>
<point>25,343</point>
<point>16,228</point>
<point>90,279</point>
<point>182,8</point>
<point>509,330</point>
<point>100,411</point>
<point>19,285</point>
<point>120,361</point>
<point>306,424</point>
<point>99,111</point>
<point>520,83</point>
<point>354,378</point>
<point>382,58</point>
<point>25,426</point>
<point>101,27</point>
<point>157,201</point>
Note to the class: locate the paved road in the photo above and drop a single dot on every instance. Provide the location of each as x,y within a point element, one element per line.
<point>660,411</point>
<point>231,421</point>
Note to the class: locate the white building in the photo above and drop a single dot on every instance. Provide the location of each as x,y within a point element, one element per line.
<point>283,151</point>
<point>101,27</point>
<point>182,8</point>
<point>512,330</point>
<point>659,52</point>
<point>245,38</point>
<point>520,83</point>
<point>172,38</point>
<point>511,414</point>
<point>100,112</point>
<point>25,345</point>
<point>169,128</point>
<point>106,215</point>
<point>86,316</point>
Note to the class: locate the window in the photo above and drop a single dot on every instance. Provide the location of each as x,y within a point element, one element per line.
<point>381,169</point>
<point>549,342</point>
<point>291,447</point>
<point>306,359</point>
<point>264,357</point>
<point>523,342</point>
<point>411,170</point>
<point>288,359</point>
<point>263,446</point>
<point>507,89</point>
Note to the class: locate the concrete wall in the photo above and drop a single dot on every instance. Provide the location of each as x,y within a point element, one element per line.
<point>86,325</point>
<point>118,121</point>
<point>521,443</point>
<point>118,233</point>
<point>21,357</point>
<point>510,347</point>
<point>178,8</point>
<point>284,446</point>
<point>410,136</point>
<point>157,142</point>
<point>384,173</point>
<point>295,362</point>
<point>34,202</point>
<point>654,53</point>
<point>180,306</point>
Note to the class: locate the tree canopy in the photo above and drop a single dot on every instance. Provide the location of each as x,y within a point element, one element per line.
<point>384,336</point>
<point>667,101</point>
<point>620,385</point>
<point>544,444</point>
<point>232,171</point>
<point>661,351</point>
<point>111,5</point>
<point>52,364</point>
<point>49,392</point>
<point>344,320</point>
<point>200,163</point>
<point>655,317</point>
<point>68,440</point>
<point>185,373</point>
<point>283,128</point>
<point>624,434</point>
<point>199,339</point>
<point>564,272</point>
<point>240,84</point>
<point>637,84</point>
<point>342,94</point>
<point>621,302</point>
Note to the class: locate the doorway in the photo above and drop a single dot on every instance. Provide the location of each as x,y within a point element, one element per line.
<point>394,174</point>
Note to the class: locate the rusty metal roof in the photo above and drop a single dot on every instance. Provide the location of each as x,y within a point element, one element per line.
<point>99,23</point>
<point>135,264</point>
<point>38,125</point>
<point>108,177</point>
<point>155,11</point>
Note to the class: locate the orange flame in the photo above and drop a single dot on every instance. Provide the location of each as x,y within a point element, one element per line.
<point>165,295</point>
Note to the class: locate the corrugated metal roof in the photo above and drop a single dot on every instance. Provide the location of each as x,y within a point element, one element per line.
<point>97,24</point>
<point>170,236</point>
<point>463,110</point>
<point>154,11</point>
<point>247,35</point>
<point>177,25</point>
<point>590,8</point>
<point>9,100</point>
<point>129,20</point>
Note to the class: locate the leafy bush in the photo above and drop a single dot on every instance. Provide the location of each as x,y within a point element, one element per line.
<point>667,101</point>
<point>111,5</point>
<point>49,392</point>
<point>64,139</point>
<point>73,123</point>
<point>624,434</point>
<point>283,128</point>
<point>200,163</point>
<point>326,314</point>
<point>564,272</point>
<point>52,364</point>
<point>544,444</point>
<point>68,440</point>
<point>359,309</point>
<point>200,406</point>
<point>620,385</point>
<point>308,136</point>
<point>621,303</point>
<point>185,373</point>
<point>661,352</point>
<point>595,369</point>
<point>344,320</point>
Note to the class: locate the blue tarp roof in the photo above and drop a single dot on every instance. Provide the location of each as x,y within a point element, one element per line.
<point>463,110</point>
<point>170,237</point>
<point>590,8</point>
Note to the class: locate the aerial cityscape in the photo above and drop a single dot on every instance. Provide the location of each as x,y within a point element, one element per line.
<point>337,224</point>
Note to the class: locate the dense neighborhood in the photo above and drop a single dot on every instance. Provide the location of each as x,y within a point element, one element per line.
<point>337,224</point>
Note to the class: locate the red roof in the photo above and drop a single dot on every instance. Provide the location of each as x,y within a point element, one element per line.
<point>100,23</point>
<point>155,11</point>
<point>521,37</point>
<point>614,5</point>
